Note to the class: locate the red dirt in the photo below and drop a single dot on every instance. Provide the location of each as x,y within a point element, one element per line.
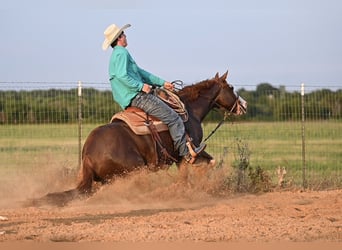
<point>157,208</point>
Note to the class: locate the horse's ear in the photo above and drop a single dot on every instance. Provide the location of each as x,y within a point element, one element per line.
<point>217,76</point>
<point>224,76</point>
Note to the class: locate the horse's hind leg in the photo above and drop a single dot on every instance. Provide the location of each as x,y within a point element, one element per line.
<point>87,177</point>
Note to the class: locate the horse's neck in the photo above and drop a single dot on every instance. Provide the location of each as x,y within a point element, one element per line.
<point>198,110</point>
<point>200,107</point>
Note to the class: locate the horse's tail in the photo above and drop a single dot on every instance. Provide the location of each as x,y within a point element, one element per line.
<point>87,177</point>
<point>83,189</point>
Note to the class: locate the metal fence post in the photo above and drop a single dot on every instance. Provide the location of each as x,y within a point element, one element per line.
<point>79,124</point>
<point>303,138</point>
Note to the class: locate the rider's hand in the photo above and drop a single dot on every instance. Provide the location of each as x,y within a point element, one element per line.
<point>169,86</point>
<point>146,88</point>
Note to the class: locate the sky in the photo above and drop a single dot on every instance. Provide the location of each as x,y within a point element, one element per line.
<point>283,42</point>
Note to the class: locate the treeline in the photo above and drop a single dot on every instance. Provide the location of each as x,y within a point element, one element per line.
<point>56,106</point>
<point>275,104</point>
<point>266,103</point>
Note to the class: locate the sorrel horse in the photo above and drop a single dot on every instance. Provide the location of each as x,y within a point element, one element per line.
<point>114,150</point>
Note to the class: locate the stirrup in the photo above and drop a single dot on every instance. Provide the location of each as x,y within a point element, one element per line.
<point>195,151</point>
<point>189,159</point>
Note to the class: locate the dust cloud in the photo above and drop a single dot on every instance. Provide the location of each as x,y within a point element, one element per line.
<point>141,189</point>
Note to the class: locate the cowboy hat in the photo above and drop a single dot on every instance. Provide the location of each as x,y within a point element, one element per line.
<point>112,33</point>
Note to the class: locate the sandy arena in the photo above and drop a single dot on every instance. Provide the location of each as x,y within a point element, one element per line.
<point>156,207</point>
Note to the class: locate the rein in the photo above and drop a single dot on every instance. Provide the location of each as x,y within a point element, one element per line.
<point>176,100</point>
<point>226,114</point>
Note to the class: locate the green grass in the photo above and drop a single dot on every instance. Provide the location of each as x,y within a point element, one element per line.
<point>34,148</point>
<point>273,144</point>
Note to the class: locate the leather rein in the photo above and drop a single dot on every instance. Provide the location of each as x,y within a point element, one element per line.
<point>225,115</point>
<point>155,134</point>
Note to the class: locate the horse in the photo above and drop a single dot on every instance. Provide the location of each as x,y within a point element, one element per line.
<point>114,150</point>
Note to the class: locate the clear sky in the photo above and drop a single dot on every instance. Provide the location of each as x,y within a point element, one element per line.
<point>282,42</point>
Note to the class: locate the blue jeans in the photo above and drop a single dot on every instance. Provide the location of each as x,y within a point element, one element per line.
<point>157,108</point>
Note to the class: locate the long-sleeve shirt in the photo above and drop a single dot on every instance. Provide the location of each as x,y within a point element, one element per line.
<point>126,78</point>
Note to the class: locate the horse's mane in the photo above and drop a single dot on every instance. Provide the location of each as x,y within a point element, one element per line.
<point>191,92</point>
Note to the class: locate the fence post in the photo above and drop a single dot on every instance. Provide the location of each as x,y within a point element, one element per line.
<point>303,138</point>
<point>79,124</point>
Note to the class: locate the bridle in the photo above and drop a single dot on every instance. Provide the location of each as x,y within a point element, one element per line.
<point>236,106</point>
<point>226,114</point>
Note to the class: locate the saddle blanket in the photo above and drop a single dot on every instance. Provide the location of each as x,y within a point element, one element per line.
<point>136,119</point>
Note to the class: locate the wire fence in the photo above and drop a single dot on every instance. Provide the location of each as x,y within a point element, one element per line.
<point>295,136</point>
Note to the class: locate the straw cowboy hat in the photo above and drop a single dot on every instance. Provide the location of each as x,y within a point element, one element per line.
<point>111,33</point>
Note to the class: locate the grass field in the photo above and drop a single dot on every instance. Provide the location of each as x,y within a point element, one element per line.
<point>39,148</point>
<point>273,144</point>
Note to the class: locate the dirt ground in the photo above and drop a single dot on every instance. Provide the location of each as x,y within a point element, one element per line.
<point>157,207</point>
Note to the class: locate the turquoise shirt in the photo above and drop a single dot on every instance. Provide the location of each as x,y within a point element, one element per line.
<point>127,78</point>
